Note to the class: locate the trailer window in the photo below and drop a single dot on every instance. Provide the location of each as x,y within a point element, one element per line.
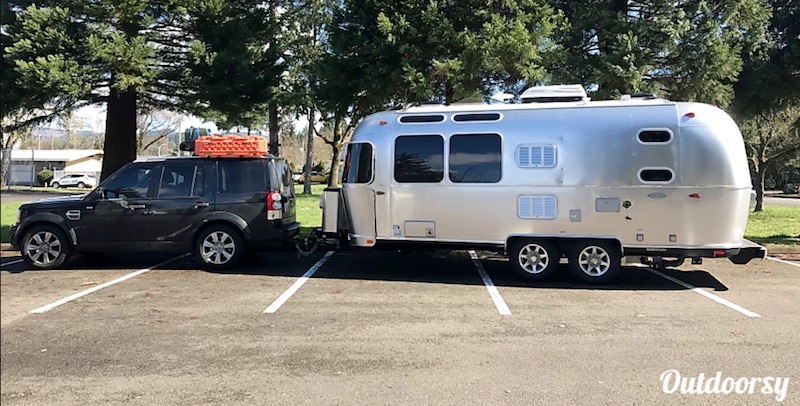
<point>433,118</point>
<point>656,175</point>
<point>475,158</point>
<point>460,118</point>
<point>655,136</point>
<point>419,159</point>
<point>358,163</point>
<point>536,156</point>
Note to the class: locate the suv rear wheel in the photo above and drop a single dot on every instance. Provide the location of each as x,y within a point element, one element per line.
<point>220,247</point>
<point>45,247</point>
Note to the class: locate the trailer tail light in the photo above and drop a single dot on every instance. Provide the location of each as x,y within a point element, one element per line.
<point>274,206</point>
<point>719,253</point>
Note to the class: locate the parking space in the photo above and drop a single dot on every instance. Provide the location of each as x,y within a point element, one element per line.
<point>387,328</point>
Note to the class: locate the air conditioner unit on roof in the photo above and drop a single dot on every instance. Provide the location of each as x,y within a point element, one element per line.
<point>556,93</point>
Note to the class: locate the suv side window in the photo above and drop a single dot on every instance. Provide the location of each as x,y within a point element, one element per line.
<point>242,176</point>
<point>132,182</point>
<point>181,180</point>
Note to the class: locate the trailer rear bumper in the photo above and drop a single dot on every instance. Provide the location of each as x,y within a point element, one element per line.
<point>749,250</point>
<point>739,255</point>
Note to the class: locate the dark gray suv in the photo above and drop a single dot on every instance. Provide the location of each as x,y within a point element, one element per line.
<point>216,207</point>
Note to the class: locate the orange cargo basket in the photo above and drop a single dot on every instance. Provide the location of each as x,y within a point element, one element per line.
<point>230,146</point>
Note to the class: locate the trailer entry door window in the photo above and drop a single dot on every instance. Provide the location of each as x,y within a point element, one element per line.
<point>358,164</point>
<point>419,159</point>
<point>475,158</point>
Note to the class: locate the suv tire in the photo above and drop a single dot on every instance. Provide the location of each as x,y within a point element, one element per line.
<point>45,247</point>
<point>219,246</point>
<point>81,185</point>
<point>56,185</point>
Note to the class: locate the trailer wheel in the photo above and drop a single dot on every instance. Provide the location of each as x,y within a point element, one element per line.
<point>534,259</point>
<point>595,262</point>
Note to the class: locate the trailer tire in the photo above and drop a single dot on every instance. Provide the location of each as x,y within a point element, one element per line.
<point>595,261</point>
<point>534,259</point>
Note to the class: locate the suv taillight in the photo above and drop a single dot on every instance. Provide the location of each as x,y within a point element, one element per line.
<point>274,206</point>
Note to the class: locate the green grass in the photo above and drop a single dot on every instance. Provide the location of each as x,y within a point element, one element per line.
<point>774,225</point>
<point>308,212</point>
<point>8,216</point>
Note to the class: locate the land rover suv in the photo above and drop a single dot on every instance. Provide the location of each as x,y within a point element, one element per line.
<point>215,207</point>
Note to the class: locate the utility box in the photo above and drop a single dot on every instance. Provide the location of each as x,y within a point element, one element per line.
<point>333,213</point>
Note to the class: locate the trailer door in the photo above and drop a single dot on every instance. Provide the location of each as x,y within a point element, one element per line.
<point>360,197</point>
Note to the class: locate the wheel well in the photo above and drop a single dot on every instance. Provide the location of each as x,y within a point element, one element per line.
<point>21,232</point>
<point>564,243</point>
<point>216,223</point>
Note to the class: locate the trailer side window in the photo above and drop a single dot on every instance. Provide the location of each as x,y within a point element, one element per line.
<point>536,156</point>
<point>358,164</point>
<point>419,159</point>
<point>656,175</point>
<point>475,158</point>
<point>655,136</point>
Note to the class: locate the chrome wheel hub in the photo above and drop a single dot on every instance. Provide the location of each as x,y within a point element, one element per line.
<point>43,248</point>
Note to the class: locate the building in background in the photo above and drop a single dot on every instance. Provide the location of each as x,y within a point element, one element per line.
<point>26,163</point>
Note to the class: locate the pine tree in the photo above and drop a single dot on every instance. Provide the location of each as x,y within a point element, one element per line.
<point>690,50</point>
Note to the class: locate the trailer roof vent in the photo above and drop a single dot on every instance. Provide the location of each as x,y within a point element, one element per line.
<point>554,94</point>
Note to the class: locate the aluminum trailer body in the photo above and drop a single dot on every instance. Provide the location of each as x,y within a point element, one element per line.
<point>650,178</point>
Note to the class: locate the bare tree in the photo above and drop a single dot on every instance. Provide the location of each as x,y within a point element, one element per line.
<point>154,126</point>
<point>769,136</point>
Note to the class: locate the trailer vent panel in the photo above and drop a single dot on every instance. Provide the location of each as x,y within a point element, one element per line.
<point>536,156</point>
<point>460,118</point>
<point>541,207</point>
<point>416,119</point>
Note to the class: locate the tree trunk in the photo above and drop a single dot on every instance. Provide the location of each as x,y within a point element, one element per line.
<point>5,164</point>
<point>274,146</point>
<point>120,140</point>
<point>336,145</point>
<point>309,153</point>
<point>761,172</point>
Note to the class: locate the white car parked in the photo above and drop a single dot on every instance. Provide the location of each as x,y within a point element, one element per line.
<point>75,180</point>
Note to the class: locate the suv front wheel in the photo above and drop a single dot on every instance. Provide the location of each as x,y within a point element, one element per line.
<point>45,247</point>
<point>219,247</point>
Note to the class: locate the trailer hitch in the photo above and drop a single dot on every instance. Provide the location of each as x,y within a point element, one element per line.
<point>661,264</point>
<point>308,244</point>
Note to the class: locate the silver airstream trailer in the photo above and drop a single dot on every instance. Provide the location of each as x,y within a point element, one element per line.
<point>555,176</point>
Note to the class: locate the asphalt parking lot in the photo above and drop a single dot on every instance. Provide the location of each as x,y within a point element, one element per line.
<point>383,328</point>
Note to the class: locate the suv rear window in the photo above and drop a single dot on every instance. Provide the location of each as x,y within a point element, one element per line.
<point>237,176</point>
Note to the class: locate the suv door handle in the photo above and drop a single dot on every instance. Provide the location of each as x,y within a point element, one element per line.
<point>201,204</point>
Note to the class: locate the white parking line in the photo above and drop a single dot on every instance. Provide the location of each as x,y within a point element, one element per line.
<point>784,262</point>
<point>57,303</point>
<point>705,293</point>
<point>295,286</point>
<point>11,263</point>
<point>499,303</point>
